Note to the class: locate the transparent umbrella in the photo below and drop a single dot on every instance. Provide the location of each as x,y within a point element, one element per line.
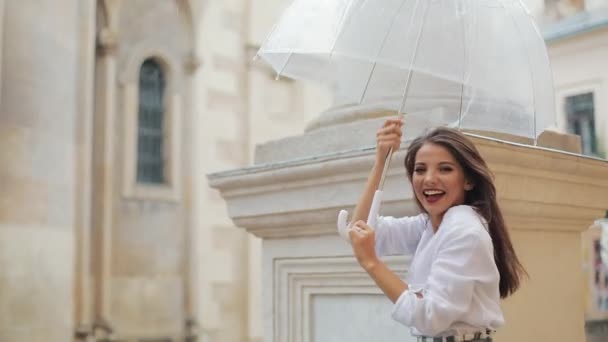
<point>472,64</point>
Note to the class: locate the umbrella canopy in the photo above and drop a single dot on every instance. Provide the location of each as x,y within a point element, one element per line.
<point>476,64</point>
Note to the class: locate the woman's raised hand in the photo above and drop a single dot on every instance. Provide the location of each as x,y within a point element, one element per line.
<point>389,136</point>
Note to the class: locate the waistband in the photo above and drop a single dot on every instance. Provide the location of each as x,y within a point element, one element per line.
<point>485,336</point>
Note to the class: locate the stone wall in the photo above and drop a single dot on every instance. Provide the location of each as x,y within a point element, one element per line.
<point>38,157</point>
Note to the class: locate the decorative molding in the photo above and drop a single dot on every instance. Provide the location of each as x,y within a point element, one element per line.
<point>312,222</point>
<point>539,190</point>
<point>297,280</point>
<point>192,62</point>
<point>170,62</point>
<point>107,41</point>
<point>588,41</point>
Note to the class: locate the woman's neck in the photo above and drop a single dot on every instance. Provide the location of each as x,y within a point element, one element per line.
<point>436,222</point>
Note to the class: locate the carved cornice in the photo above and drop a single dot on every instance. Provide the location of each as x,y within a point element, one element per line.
<point>539,189</point>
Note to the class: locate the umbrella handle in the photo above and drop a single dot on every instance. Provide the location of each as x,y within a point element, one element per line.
<point>372,218</point>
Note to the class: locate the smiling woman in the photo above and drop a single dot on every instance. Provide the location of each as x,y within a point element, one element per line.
<point>464,261</point>
<point>438,180</point>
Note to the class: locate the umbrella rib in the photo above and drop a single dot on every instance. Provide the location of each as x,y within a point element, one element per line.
<point>339,35</point>
<point>529,68</point>
<point>284,66</point>
<point>274,27</point>
<point>371,73</point>
<point>410,71</point>
<point>389,156</point>
<point>464,71</point>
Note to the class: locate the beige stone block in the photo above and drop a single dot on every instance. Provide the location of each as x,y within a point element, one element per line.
<point>16,335</point>
<point>28,250</point>
<point>147,306</point>
<point>560,141</point>
<point>549,139</point>
<point>36,279</point>
<point>13,154</point>
<point>229,238</point>
<point>36,177</point>
<point>232,20</point>
<point>230,296</point>
<point>548,287</point>
<point>148,240</point>
<point>25,202</point>
<point>229,64</point>
<point>52,335</point>
<point>146,260</point>
<point>223,101</point>
<point>231,151</point>
<point>51,157</point>
<point>232,328</point>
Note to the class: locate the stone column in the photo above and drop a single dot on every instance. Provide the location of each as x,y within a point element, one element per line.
<point>191,254</point>
<point>84,143</point>
<point>103,180</point>
<point>37,169</point>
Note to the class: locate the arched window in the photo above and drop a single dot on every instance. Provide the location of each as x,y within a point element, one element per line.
<point>150,156</point>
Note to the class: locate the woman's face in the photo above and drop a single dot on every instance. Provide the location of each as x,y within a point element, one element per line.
<point>438,180</point>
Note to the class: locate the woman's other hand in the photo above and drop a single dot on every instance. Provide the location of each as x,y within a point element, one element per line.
<point>362,238</point>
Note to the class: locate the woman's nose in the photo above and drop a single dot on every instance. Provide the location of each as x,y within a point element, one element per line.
<point>429,177</point>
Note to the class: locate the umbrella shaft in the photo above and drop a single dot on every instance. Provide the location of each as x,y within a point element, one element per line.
<point>387,163</point>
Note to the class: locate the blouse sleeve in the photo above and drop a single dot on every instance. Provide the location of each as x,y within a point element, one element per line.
<point>463,259</point>
<point>398,236</point>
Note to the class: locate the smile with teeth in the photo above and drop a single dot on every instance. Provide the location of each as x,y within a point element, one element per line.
<point>433,192</point>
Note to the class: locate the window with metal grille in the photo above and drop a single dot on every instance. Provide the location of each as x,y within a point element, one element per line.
<point>150,156</point>
<point>580,115</point>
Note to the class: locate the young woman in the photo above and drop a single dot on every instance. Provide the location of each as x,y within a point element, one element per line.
<point>463,260</point>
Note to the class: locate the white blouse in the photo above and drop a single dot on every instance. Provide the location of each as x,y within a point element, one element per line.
<point>454,269</point>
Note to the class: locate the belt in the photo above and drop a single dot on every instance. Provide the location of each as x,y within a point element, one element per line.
<point>478,336</point>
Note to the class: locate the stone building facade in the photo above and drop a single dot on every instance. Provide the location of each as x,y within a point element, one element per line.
<point>112,113</point>
<point>90,249</point>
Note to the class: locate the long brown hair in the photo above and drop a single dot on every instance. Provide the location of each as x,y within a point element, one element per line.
<point>482,197</point>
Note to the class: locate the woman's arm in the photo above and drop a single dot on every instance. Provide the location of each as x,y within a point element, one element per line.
<point>392,286</point>
<point>387,137</point>
<point>363,241</point>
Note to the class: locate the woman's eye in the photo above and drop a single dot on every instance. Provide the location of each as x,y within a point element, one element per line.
<point>419,170</point>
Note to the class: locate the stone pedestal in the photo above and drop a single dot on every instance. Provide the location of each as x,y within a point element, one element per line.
<point>314,289</point>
